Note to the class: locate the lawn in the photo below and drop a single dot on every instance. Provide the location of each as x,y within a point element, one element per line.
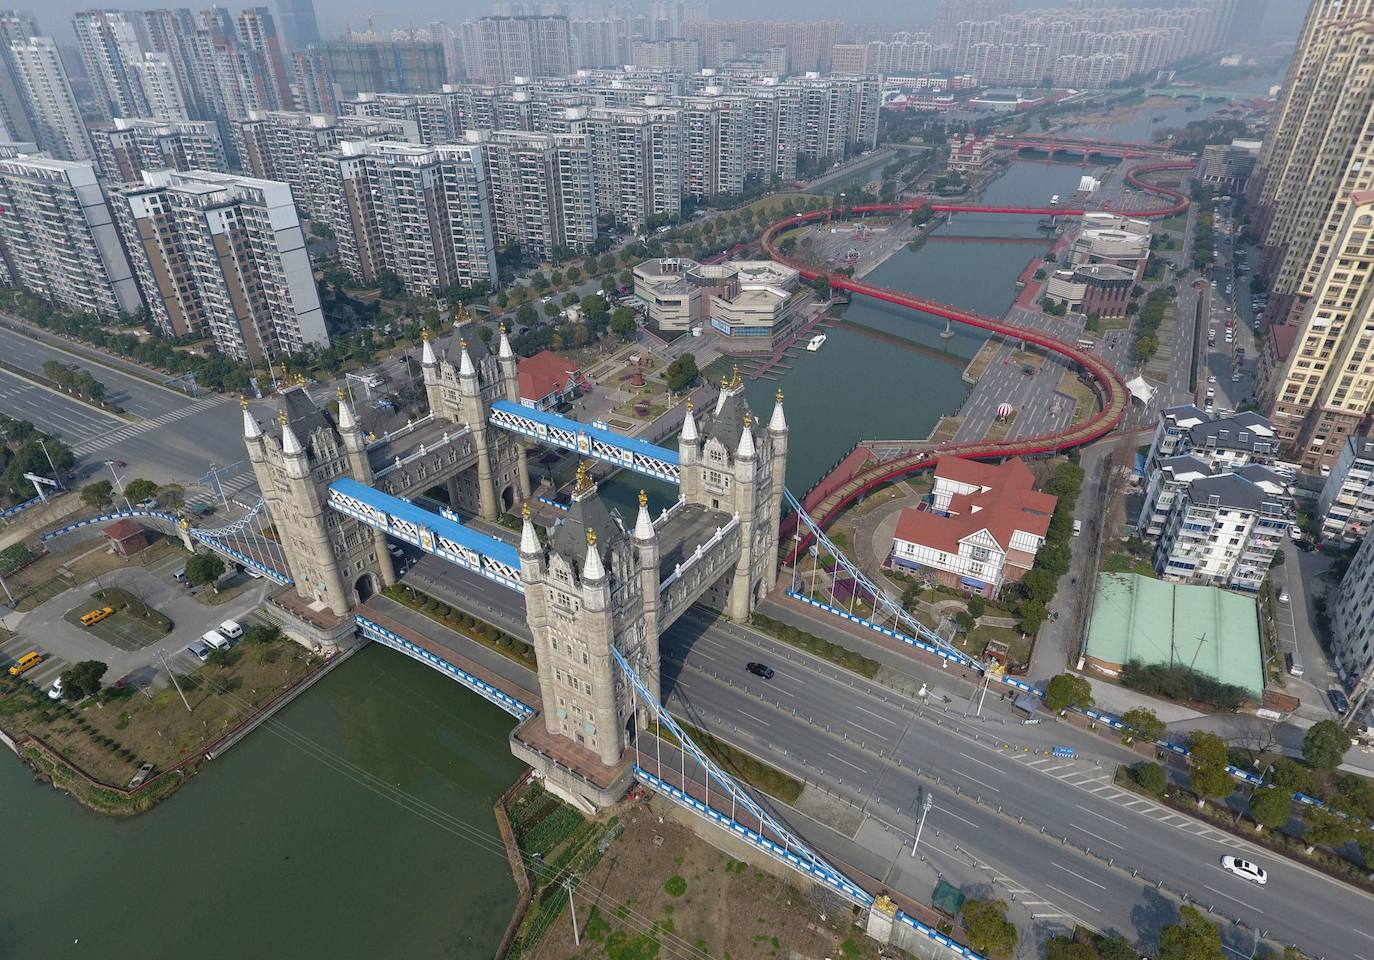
<point>110,734</point>
<point>71,564</point>
<point>1019,646</point>
<point>1084,400</point>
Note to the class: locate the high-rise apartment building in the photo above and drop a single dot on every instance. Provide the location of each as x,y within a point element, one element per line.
<point>673,54</point>
<point>541,190</point>
<point>499,49</point>
<point>155,79</point>
<point>435,116</point>
<point>58,239</point>
<point>53,112</point>
<point>131,146</point>
<point>381,66</point>
<point>636,160</point>
<point>257,32</point>
<point>109,44</point>
<point>297,21</point>
<point>1345,508</point>
<point>314,87</point>
<point>421,212</point>
<point>223,255</point>
<point>16,26</point>
<point>1314,192</point>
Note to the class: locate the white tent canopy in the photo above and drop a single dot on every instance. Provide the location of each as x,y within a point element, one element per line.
<point>1141,390</point>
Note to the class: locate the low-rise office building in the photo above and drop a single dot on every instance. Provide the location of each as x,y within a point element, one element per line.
<point>1092,289</point>
<point>983,528</point>
<point>1110,238</point>
<point>751,304</point>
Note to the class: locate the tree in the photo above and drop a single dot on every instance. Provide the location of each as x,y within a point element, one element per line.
<point>989,930</point>
<point>172,495</point>
<point>1210,780</point>
<point>82,679</point>
<point>1032,616</point>
<point>1054,558</point>
<point>1040,584</point>
<point>204,568</point>
<point>389,285</point>
<point>822,286</point>
<point>1142,723</point>
<point>624,323</point>
<point>1325,828</point>
<point>1067,948</point>
<point>1291,775</point>
<point>1117,947</point>
<point>977,606</point>
<point>1325,744</point>
<point>595,308</point>
<point>1065,690</point>
<point>1207,748</point>
<point>1151,777</point>
<point>139,489</point>
<point>1270,807</point>
<point>551,309</point>
<point>682,372</point>
<point>98,494</point>
<point>1194,937</point>
<point>526,315</point>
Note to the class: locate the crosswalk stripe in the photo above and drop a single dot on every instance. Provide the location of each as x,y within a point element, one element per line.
<point>144,426</point>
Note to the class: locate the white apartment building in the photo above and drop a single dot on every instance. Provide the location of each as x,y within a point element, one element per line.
<point>714,144</point>
<point>1165,482</point>
<point>1224,530</point>
<point>421,212</point>
<point>1345,507</point>
<point>58,239</point>
<point>132,145</point>
<point>224,255</point>
<point>156,81</point>
<point>109,44</point>
<point>636,161</point>
<point>1223,442</point>
<point>57,125</point>
<point>1352,618</point>
<point>540,186</point>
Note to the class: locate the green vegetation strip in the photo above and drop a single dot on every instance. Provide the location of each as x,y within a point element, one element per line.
<point>459,622</point>
<point>756,773</point>
<point>836,654</point>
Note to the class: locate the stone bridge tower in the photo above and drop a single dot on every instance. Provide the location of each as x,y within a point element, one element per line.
<point>461,384</point>
<point>593,585</point>
<point>334,560</point>
<point>730,462</point>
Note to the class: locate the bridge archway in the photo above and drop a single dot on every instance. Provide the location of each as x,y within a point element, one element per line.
<point>508,498</point>
<point>365,587</point>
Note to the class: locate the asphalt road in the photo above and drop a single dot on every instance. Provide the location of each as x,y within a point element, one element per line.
<point>867,744</point>
<point>132,393</point>
<point>54,413</point>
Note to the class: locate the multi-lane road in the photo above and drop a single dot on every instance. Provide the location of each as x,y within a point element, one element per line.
<point>879,750</point>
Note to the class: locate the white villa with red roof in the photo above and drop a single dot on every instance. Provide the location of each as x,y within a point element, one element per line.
<point>547,379</point>
<point>984,526</point>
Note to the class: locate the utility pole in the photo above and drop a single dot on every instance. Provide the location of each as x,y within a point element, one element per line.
<point>572,907</point>
<point>174,680</point>
<point>925,809</point>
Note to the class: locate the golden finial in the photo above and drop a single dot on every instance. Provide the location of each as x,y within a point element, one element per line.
<point>462,343</point>
<point>501,328</point>
<point>690,405</point>
<point>643,499</point>
<point>735,381</point>
<point>591,537</point>
<point>342,396</point>
<point>725,383</point>
<point>300,379</point>
<point>525,510</point>
<point>424,334</point>
<point>243,403</point>
<point>584,479</point>
<point>184,524</point>
<point>780,396</point>
<point>747,421</point>
<point>281,417</point>
<point>461,315</point>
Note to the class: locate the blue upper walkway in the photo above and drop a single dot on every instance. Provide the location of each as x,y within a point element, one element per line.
<point>444,537</point>
<point>597,443</point>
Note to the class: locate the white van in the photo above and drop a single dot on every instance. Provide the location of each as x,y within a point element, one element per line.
<point>214,640</point>
<point>230,630</point>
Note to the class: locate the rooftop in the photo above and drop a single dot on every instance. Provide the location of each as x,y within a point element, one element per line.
<point>1213,630</point>
<point>1005,502</point>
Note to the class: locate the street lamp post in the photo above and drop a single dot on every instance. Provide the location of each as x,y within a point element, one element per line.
<point>119,485</point>
<point>921,825</point>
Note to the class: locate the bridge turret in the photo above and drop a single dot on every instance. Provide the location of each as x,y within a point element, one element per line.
<point>598,628</point>
<point>360,469</point>
<point>293,454</point>
<point>777,439</point>
<point>509,366</point>
<point>689,456</point>
<point>429,367</point>
<point>474,413</point>
<point>647,553</point>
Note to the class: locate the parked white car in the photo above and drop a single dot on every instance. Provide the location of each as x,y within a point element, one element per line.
<point>231,629</point>
<point>1245,870</point>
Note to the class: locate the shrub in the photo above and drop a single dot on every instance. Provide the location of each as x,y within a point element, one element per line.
<point>1151,777</point>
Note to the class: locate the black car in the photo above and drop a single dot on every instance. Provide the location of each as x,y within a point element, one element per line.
<point>760,670</point>
<point>1339,701</point>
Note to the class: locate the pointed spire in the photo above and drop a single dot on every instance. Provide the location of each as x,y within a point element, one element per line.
<point>251,430</point>
<point>689,426</point>
<point>465,367</point>
<point>529,540</point>
<point>504,352</point>
<point>290,443</point>
<point>779,423</point>
<point>644,524</point>
<point>745,451</point>
<point>347,422</point>
<point>592,570</point>
<point>427,357</point>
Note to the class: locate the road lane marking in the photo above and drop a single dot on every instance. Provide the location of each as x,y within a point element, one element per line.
<point>994,769</point>
<point>754,718</point>
<point>1078,875</point>
<point>878,715</point>
<point>956,816</point>
<point>1229,897</point>
<point>1072,897</point>
<point>846,762</point>
<point>975,780</point>
<point>1363,934</point>
<point>1099,816</point>
<point>1096,836</point>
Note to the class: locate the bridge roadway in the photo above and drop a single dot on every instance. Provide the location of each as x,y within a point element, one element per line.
<point>865,744</point>
<point>1106,381</point>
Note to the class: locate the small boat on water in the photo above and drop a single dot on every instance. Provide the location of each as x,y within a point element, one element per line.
<point>816,342</point>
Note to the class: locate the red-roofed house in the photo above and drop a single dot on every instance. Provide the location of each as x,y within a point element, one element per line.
<point>984,527</point>
<point>546,380</point>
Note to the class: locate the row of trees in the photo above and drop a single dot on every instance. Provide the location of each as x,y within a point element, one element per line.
<point>1147,326</point>
<point>74,380</point>
<point>1041,582</point>
<point>25,449</point>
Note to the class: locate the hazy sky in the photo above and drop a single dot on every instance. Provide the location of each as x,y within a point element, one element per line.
<point>1281,22</point>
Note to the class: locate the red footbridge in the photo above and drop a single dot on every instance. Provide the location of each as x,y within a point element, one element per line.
<point>855,476</point>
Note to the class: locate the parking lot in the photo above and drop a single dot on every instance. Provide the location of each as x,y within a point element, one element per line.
<point>62,643</point>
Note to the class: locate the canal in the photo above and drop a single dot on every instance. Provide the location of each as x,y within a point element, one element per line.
<point>356,824</point>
